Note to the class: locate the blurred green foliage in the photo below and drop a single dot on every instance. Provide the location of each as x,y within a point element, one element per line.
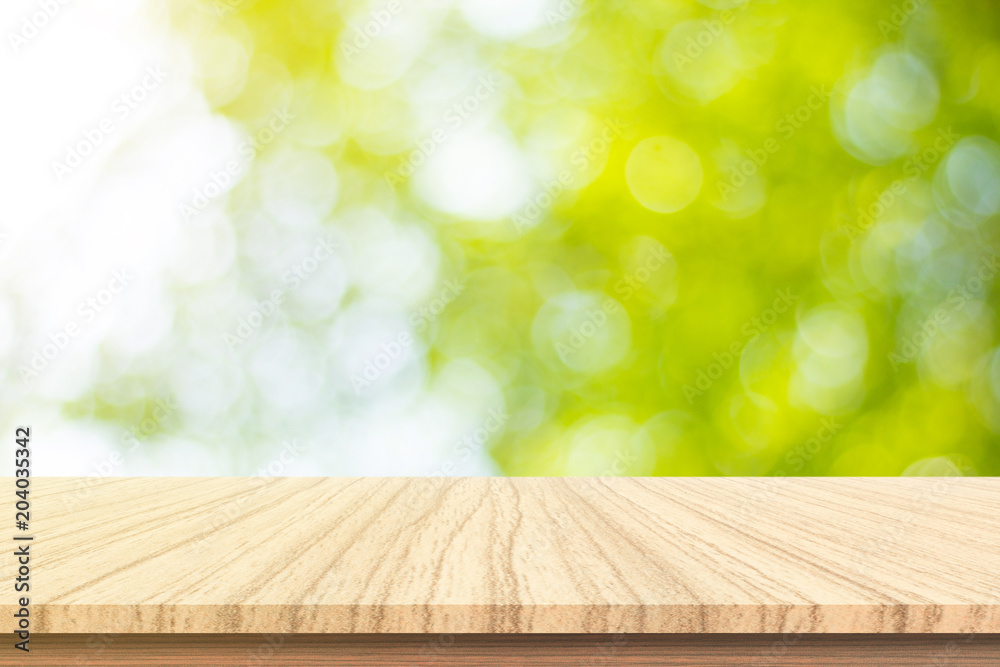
<point>702,278</point>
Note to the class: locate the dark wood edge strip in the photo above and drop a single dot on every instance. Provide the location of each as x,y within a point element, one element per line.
<point>692,650</point>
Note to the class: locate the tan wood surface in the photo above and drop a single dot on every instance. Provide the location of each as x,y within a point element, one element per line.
<point>515,555</point>
<point>703,650</point>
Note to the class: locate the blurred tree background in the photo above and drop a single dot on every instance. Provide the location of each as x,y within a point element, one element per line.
<point>641,237</point>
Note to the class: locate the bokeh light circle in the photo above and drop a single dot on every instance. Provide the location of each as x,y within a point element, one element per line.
<point>663,174</point>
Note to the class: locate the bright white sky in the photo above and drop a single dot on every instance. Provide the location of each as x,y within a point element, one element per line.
<point>117,213</point>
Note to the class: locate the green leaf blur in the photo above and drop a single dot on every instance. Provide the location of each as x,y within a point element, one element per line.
<point>747,238</point>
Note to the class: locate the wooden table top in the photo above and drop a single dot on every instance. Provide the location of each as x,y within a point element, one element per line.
<point>515,555</point>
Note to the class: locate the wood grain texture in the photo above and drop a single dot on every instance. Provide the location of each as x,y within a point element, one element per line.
<point>703,650</point>
<point>516,555</point>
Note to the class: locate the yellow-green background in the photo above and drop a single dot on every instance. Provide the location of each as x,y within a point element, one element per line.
<point>817,393</point>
